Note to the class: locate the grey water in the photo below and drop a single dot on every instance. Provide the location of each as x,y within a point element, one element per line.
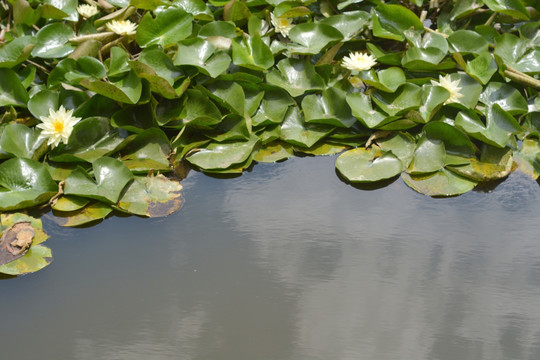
<point>289,262</point>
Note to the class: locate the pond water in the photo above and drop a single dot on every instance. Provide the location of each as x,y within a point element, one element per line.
<point>288,262</point>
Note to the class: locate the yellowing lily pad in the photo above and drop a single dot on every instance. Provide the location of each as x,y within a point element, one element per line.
<point>152,196</point>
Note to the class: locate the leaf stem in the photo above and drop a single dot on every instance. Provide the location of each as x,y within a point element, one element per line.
<point>521,78</point>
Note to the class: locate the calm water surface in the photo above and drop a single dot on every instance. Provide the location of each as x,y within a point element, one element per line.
<point>288,262</point>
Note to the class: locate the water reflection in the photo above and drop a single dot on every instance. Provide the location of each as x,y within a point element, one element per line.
<point>288,262</point>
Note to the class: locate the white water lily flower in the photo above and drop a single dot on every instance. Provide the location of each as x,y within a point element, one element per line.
<point>57,126</point>
<point>122,27</point>
<point>452,87</point>
<point>358,61</point>
<point>87,11</point>
<point>281,24</point>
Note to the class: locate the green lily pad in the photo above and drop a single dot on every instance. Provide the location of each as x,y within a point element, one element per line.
<point>348,23</point>
<point>368,165</point>
<point>12,91</point>
<point>499,128</point>
<point>506,96</point>
<point>26,262</point>
<point>494,164</point>
<point>401,144</point>
<point>111,178</point>
<point>89,214</point>
<point>168,27</point>
<point>202,54</point>
<point>329,108</point>
<point>514,8</point>
<point>252,53</point>
<point>363,110</point>
<point>274,152</point>
<point>527,158</point>
<point>70,203</point>
<point>53,41</point>
<point>439,184</point>
<point>312,38</point>
<point>467,41</point>
<point>16,51</point>
<point>295,131</point>
<point>218,156</point>
<point>456,142</point>
<point>232,128</point>
<point>24,183</point>
<point>136,118</point>
<point>273,107</point>
<point>127,89</point>
<point>429,156</point>
<point>388,80</point>
<point>390,21</point>
<point>91,139</point>
<point>20,141</point>
<point>295,76</point>
<point>149,150</point>
<point>433,97</point>
<point>152,196</point>
<point>406,98</point>
<point>482,68</point>
<point>194,109</point>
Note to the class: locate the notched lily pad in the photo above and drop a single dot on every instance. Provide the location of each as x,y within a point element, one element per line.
<point>20,249</point>
<point>15,241</point>
<point>89,214</point>
<point>439,184</point>
<point>152,196</point>
<point>368,165</point>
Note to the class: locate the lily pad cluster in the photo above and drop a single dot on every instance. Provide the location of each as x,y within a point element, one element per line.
<point>101,101</point>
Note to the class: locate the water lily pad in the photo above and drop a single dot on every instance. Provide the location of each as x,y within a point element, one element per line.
<point>152,196</point>
<point>232,128</point>
<point>111,177</point>
<point>433,97</point>
<point>499,128</point>
<point>197,8</point>
<point>20,141</point>
<point>388,80</point>
<point>482,68</point>
<point>16,51</point>
<point>363,110</point>
<point>390,21</point>
<point>401,144</point>
<point>329,108</point>
<point>467,41</point>
<point>273,107</point>
<point>127,89</point>
<point>24,183</point>
<point>37,257</point>
<point>149,150</point>
<point>348,23</point>
<point>295,76</point>
<point>12,91</point>
<point>312,37</point>
<point>91,139</point>
<point>168,27</point>
<point>227,94</point>
<point>368,165</point>
<point>194,109</point>
<point>506,96</point>
<point>274,151</point>
<point>456,142</point>
<point>135,118</point>
<point>218,156</point>
<point>407,97</point>
<point>439,184</point>
<point>295,131</point>
<point>89,214</point>
<point>527,158</point>
<point>202,54</point>
<point>70,203</point>
<point>252,53</point>
<point>494,164</point>
<point>53,41</point>
<point>514,8</point>
<point>429,156</point>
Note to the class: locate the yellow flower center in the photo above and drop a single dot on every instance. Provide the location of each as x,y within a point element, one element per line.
<point>58,126</point>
